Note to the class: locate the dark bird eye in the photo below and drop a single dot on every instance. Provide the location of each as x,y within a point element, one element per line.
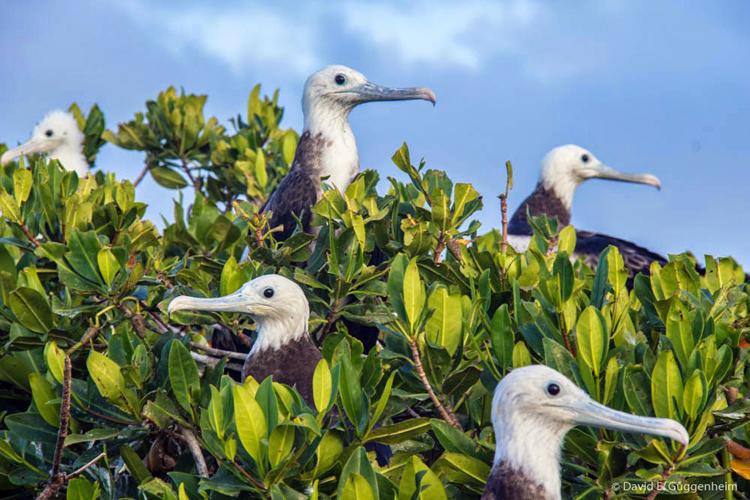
<point>48,133</point>
<point>268,293</point>
<point>340,79</point>
<point>553,389</point>
<point>585,158</point>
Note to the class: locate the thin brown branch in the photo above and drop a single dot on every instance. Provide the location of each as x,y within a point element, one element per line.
<point>443,408</point>
<point>88,464</point>
<point>664,476</point>
<point>58,479</point>
<point>438,255</point>
<point>195,449</point>
<point>218,352</point>
<point>571,349</point>
<point>29,235</point>
<point>212,362</point>
<point>504,204</point>
<point>186,169</point>
<point>141,175</point>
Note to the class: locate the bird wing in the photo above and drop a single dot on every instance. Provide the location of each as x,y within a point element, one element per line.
<point>637,259</point>
<point>293,199</point>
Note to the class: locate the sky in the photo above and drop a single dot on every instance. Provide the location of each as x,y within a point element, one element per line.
<point>660,87</point>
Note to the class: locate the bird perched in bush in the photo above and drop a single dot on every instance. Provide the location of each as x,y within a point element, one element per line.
<point>59,137</point>
<point>532,410</point>
<point>563,170</point>
<point>283,348</point>
<point>327,151</point>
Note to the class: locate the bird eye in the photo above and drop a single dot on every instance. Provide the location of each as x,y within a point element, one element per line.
<point>48,133</point>
<point>585,158</point>
<point>268,293</point>
<point>553,389</point>
<point>340,79</point>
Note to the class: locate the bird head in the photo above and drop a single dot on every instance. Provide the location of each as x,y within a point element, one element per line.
<point>542,396</point>
<point>277,305</point>
<point>566,167</point>
<point>57,133</point>
<point>339,89</point>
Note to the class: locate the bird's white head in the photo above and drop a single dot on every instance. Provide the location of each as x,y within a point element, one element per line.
<point>535,406</point>
<point>277,305</point>
<point>59,137</point>
<point>332,92</point>
<point>566,167</point>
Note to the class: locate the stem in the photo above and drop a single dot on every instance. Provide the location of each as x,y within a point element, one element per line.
<point>82,469</point>
<point>140,177</point>
<point>664,476</point>
<point>218,352</point>
<point>437,257</point>
<point>504,216</point>
<point>195,449</point>
<point>28,234</point>
<point>727,460</point>
<point>445,410</point>
<point>186,169</point>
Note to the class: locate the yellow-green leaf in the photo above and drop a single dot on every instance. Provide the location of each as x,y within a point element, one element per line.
<point>414,294</point>
<point>250,421</point>
<point>106,375</point>
<point>322,386</point>
<point>592,338</point>
<point>42,393</point>
<point>108,265</point>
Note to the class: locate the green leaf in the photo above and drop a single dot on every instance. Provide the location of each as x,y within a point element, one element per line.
<point>592,339</point>
<point>250,421</point>
<point>357,488</point>
<point>396,284</point>
<point>666,386</point>
<point>9,207</point>
<point>464,468</point>
<point>358,463</point>
<point>31,427</point>
<point>502,337</point>
<point>31,309</point>
<point>232,277</point>
<point>694,395</point>
<point>106,375</point>
<point>382,402</point>
<point>444,327</point>
<point>80,488</point>
<point>55,358</point>
<point>414,294</point>
<point>352,397</point>
<point>399,432</point>
<point>451,438</point>
<point>108,265</point>
<point>280,443</point>
<point>521,355</point>
<point>22,182</point>
<point>183,375</point>
<point>134,464</point>
<point>43,395</point>
<point>168,178</point>
<point>322,386</point>
<point>430,487</point>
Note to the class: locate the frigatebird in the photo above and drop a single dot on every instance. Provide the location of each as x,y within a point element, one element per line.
<point>59,137</point>
<point>327,150</point>
<point>283,347</point>
<point>533,409</point>
<point>563,170</point>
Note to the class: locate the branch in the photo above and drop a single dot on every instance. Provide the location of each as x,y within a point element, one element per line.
<point>58,479</point>
<point>28,234</point>
<point>212,362</point>
<point>445,410</point>
<point>88,464</point>
<point>504,204</point>
<point>438,255</point>
<point>140,177</point>
<point>664,476</point>
<point>218,352</point>
<point>195,449</point>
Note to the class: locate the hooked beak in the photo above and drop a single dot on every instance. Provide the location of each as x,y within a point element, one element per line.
<point>36,145</point>
<point>589,412</point>
<point>234,302</point>
<point>369,91</point>
<point>609,173</point>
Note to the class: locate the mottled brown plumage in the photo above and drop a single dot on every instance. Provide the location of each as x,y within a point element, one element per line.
<point>541,201</point>
<point>506,483</point>
<point>293,364</point>
<point>300,190</point>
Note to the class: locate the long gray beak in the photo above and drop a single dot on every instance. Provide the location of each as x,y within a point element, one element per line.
<point>235,302</point>
<point>369,91</point>
<point>609,173</point>
<point>32,146</point>
<point>589,412</point>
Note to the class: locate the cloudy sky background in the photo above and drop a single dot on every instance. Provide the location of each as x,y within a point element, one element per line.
<point>662,87</point>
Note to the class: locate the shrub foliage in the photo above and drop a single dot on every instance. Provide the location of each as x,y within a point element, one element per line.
<point>152,410</point>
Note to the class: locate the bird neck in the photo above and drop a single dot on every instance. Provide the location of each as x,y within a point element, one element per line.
<point>274,332</point>
<point>542,201</point>
<point>337,157</point>
<point>71,158</point>
<point>530,444</point>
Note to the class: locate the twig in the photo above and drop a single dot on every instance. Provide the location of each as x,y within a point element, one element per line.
<point>664,476</point>
<point>212,362</point>
<point>140,177</point>
<point>445,410</point>
<point>504,204</point>
<point>437,257</point>
<point>195,449</point>
<point>28,234</point>
<point>218,352</point>
<point>186,169</point>
<point>58,479</point>
<point>88,464</point>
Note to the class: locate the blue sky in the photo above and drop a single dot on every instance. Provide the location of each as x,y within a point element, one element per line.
<point>660,87</point>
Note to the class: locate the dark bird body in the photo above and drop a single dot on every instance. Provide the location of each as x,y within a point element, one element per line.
<point>506,483</point>
<point>293,364</point>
